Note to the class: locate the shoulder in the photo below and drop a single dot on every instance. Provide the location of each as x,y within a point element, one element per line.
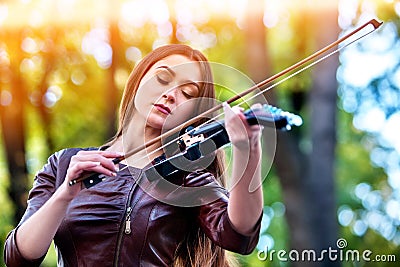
<point>63,156</point>
<point>67,153</point>
<point>57,165</point>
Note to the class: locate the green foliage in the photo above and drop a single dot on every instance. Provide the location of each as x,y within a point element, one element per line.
<point>6,211</point>
<point>364,192</point>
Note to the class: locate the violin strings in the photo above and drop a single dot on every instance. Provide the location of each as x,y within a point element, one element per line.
<point>373,22</point>
<point>303,69</point>
<point>261,92</point>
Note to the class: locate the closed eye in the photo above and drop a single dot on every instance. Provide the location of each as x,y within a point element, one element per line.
<point>161,80</point>
<point>163,76</point>
<point>190,90</point>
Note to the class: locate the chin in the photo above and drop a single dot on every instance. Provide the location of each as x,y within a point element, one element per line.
<point>161,125</point>
<point>155,126</point>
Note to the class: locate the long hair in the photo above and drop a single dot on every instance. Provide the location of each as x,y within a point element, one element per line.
<point>196,249</point>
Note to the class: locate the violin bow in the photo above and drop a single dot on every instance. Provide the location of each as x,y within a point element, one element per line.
<point>373,22</point>
<point>261,84</point>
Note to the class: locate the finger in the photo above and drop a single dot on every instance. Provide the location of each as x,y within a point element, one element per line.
<point>111,154</point>
<point>76,170</point>
<point>96,157</point>
<point>256,128</point>
<point>227,109</point>
<point>108,164</point>
<point>255,133</point>
<point>231,114</point>
<point>237,109</point>
<point>103,170</point>
<point>256,106</point>
<point>104,153</point>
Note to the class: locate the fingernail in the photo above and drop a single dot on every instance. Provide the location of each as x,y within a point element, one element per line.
<point>113,174</point>
<point>116,167</point>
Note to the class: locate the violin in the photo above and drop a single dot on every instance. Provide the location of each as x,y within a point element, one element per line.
<point>200,142</point>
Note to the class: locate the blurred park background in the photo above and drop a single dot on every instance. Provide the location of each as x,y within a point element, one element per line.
<point>63,65</point>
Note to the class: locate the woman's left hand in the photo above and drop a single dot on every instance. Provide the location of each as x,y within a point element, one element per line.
<point>246,198</point>
<point>241,134</point>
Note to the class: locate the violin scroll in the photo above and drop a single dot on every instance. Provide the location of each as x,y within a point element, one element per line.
<point>272,116</point>
<point>266,115</point>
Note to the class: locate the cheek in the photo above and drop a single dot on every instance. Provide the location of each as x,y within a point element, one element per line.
<point>146,96</point>
<point>142,107</point>
<point>155,121</point>
<point>182,113</point>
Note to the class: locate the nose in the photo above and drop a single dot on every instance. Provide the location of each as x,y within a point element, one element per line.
<point>170,96</point>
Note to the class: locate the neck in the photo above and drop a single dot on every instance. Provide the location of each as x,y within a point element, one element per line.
<point>136,135</point>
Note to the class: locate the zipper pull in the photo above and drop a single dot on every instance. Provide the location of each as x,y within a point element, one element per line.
<point>128,221</point>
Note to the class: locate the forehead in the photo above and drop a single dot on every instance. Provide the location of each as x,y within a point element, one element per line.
<point>181,65</point>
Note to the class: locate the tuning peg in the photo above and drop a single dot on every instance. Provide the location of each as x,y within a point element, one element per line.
<point>293,119</point>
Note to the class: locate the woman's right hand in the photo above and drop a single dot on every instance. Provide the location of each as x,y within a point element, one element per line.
<point>88,161</point>
<point>37,232</point>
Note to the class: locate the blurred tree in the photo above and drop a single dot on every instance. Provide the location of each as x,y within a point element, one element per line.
<point>320,178</point>
<point>288,157</point>
<point>307,178</point>
<point>49,57</point>
<point>370,106</point>
<point>12,113</point>
<point>111,97</point>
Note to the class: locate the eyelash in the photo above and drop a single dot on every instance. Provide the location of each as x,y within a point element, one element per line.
<point>161,81</point>
<point>164,82</point>
<point>192,92</point>
<point>186,94</point>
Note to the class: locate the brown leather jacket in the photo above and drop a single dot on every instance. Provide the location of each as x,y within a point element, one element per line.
<point>95,231</point>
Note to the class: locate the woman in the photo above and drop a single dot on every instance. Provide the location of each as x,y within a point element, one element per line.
<point>116,222</point>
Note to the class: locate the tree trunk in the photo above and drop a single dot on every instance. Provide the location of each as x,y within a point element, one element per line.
<point>49,58</point>
<point>306,180</point>
<point>12,123</point>
<point>320,183</point>
<point>289,162</point>
<point>111,96</point>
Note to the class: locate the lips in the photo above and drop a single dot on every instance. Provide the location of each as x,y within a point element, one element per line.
<point>162,108</point>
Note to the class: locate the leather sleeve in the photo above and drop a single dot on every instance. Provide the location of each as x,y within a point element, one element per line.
<point>214,221</point>
<point>12,256</point>
<point>43,188</point>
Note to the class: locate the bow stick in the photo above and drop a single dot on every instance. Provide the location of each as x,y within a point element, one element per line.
<point>373,22</point>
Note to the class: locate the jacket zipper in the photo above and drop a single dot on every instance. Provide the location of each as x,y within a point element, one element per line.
<point>126,222</point>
